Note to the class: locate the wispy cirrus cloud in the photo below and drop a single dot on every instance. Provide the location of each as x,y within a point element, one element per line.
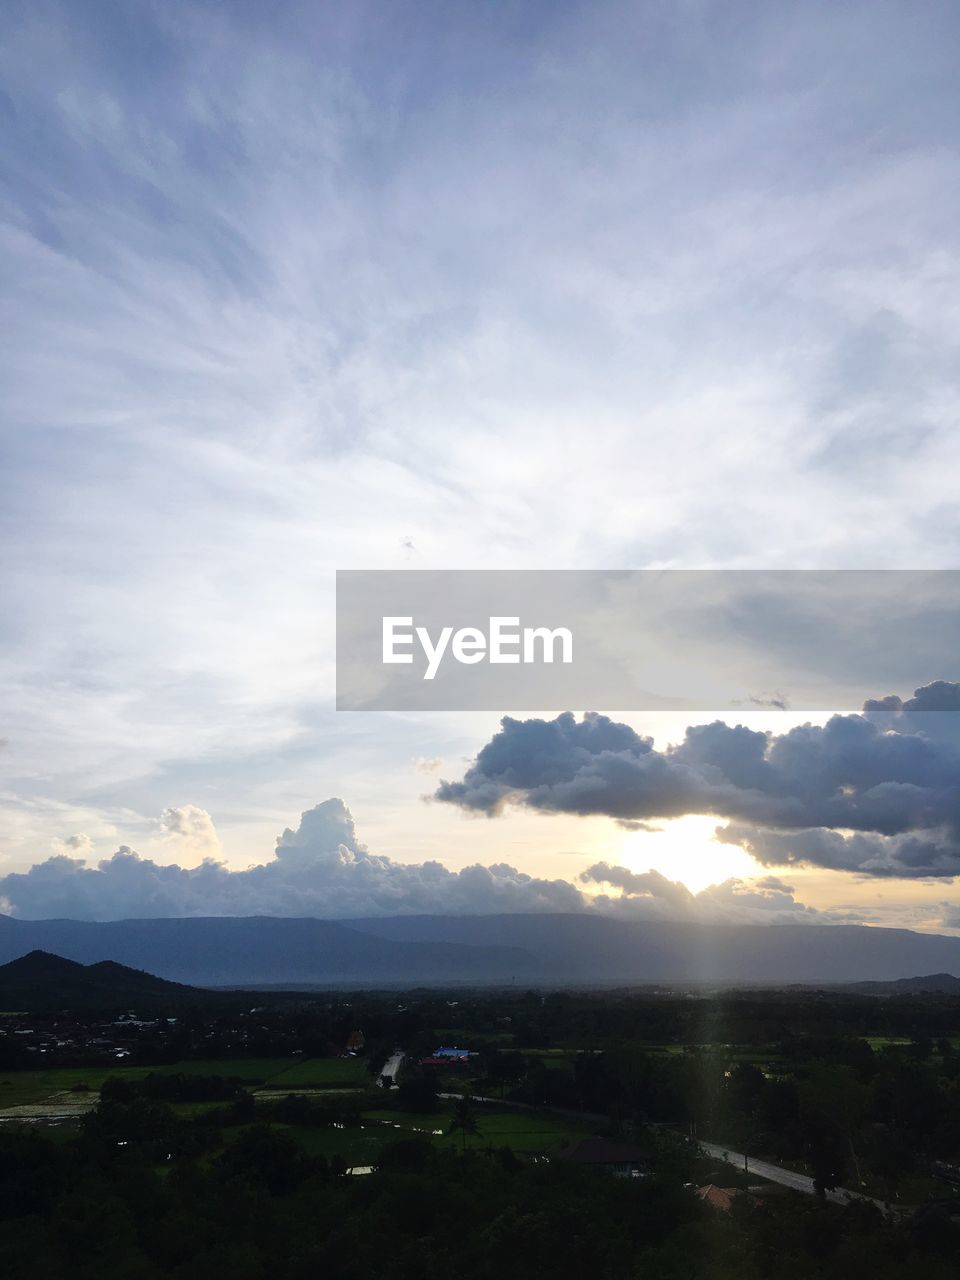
<point>643,285</point>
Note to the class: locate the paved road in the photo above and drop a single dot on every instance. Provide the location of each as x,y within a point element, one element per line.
<point>392,1066</point>
<point>588,1117</point>
<point>785,1177</point>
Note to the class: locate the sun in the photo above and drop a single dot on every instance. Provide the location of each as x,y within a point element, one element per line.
<point>685,850</point>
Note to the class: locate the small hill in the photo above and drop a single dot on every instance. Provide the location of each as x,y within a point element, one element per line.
<point>40,966</point>
<point>42,981</point>
<point>931,984</point>
<point>108,973</point>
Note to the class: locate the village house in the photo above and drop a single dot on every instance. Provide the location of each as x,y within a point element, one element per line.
<point>621,1159</point>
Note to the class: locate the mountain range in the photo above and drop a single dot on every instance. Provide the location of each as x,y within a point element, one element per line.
<point>259,950</point>
<point>548,949</point>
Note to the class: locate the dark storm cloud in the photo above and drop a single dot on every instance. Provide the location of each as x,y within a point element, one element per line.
<point>906,857</point>
<point>890,776</point>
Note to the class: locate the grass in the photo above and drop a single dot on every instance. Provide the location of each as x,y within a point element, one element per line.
<point>410,1121</point>
<point>185,1109</point>
<point>522,1131</point>
<point>22,1088</point>
<point>322,1073</point>
<point>356,1146</point>
<point>525,1133</point>
<point>466,1039</point>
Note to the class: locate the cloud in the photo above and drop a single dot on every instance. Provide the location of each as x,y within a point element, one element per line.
<point>902,857</point>
<point>877,793</point>
<point>651,882</point>
<point>269,298</point>
<point>773,883</point>
<point>323,869</point>
<point>775,699</point>
<point>428,764</point>
<point>76,844</point>
<point>275,310</point>
<point>191,828</point>
<point>319,869</point>
<point>649,894</point>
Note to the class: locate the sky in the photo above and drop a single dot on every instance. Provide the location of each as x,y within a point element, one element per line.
<point>302,287</point>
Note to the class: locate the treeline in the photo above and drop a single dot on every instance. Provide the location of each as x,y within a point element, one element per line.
<point>136,1113</point>
<point>534,1020</point>
<point>146,1207</point>
<point>838,1106</point>
<point>281,1028</point>
<point>173,1086</point>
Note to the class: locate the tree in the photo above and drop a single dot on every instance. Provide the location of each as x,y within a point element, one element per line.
<point>264,1157</point>
<point>826,1154</point>
<point>503,1068</point>
<point>463,1121</point>
<point>833,1101</point>
<point>417,1093</point>
<point>746,1088</point>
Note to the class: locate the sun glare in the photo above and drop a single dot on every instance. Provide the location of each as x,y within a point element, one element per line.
<point>685,850</point>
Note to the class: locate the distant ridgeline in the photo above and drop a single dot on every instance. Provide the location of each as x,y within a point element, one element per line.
<point>532,949</point>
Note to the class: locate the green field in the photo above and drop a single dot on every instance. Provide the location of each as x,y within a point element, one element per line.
<point>472,1039</point>
<point>18,1088</point>
<point>321,1073</point>
<point>356,1146</point>
<point>522,1131</point>
<point>21,1088</point>
<point>525,1132</point>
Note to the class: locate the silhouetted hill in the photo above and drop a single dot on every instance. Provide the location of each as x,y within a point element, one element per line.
<point>931,984</point>
<point>40,980</point>
<point>39,966</point>
<point>532,949</point>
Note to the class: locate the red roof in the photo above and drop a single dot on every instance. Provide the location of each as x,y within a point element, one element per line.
<point>721,1198</point>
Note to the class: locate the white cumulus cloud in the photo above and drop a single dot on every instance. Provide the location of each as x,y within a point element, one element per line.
<point>323,869</point>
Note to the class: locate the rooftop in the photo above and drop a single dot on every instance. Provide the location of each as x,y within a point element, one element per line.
<point>606,1151</point>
